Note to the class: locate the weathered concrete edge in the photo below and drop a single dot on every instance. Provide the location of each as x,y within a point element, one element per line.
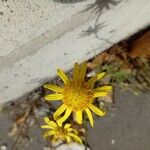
<point>25,76</point>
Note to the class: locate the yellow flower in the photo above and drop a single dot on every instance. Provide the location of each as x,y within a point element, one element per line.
<point>60,132</point>
<point>77,94</point>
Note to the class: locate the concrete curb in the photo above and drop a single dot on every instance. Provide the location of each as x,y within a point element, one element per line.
<point>42,36</point>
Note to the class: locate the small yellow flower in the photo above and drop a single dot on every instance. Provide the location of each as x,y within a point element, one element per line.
<point>77,94</point>
<point>60,132</point>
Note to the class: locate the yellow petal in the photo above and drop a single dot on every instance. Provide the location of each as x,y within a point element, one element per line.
<point>82,71</point>
<point>68,138</point>
<point>90,116</point>
<point>79,117</point>
<point>96,110</point>
<point>59,111</point>
<point>76,70</point>
<point>53,88</point>
<point>65,117</point>
<point>50,123</point>
<point>72,130</point>
<point>68,125</point>
<point>93,79</point>
<point>100,75</point>
<point>49,133</point>
<point>60,124</point>
<point>47,127</point>
<point>75,137</point>
<point>54,97</point>
<point>63,76</point>
<point>105,88</point>
<point>100,94</point>
<point>54,139</point>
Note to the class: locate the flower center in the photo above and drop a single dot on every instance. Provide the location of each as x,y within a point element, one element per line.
<point>61,133</point>
<point>77,95</point>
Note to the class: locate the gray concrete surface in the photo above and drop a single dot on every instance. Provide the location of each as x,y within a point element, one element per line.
<point>126,127</point>
<point>37,37</point>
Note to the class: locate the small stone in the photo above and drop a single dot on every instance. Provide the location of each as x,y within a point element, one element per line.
<point>112,141</point>
<point>101,104</point>
<point>90,74</point>
<point>72,146</point>
<point>3,147</point>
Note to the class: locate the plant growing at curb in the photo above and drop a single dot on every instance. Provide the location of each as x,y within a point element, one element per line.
<point>77,96</point>
<point>60,132</point>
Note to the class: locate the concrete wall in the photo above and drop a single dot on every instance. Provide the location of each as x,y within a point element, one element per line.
<point>38,36</point>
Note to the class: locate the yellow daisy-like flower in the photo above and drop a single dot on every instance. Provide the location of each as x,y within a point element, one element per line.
<point>77,94</point>
<point>60,132</point>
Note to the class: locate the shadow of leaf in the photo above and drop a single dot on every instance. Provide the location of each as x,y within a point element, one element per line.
<point>92,30</point>
<point>99,5</point>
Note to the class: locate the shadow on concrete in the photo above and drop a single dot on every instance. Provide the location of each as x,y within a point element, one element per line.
<point>68,1</point>
<point>93,30</point>
<point>97,7</point>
